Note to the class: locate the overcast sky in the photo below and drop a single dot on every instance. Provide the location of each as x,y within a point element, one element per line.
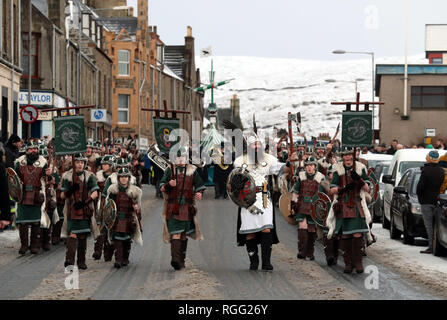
<point>303,29</point>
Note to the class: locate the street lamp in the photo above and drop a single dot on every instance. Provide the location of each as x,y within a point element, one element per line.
<point>372,56</point>
<point>356,81</point>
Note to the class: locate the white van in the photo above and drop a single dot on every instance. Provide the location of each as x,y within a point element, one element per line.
<point>402,161</point>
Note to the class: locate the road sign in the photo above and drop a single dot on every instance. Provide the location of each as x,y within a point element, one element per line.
<point>430,132</point>
<point>29,114</point>
<point>98,115</point>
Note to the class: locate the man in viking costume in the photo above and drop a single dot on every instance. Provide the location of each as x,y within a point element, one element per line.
<point>64,164</point>
<point>31,209</point>
<point>349,216</point>
<point>50,202</point>
<point>107,165</point>
<point>308,185</point>
<point>136,159</point>
<point>127,225</point>
<point>256,224</point>
<point>93,157</point>
<point>80,190</point>
<point>182,186</point>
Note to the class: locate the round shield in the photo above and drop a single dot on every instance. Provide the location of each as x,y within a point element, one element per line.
<point>14,185</point>
<point>109,214</point>
<point>321,204</point>
<point>286,209</point>
<point>241,188</point>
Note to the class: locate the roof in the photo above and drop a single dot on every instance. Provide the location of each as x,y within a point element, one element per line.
<point>413,69</point>
<point>168,71</point>
<point>41,5</point>
<point>173,58</point>
<point>130,24</point>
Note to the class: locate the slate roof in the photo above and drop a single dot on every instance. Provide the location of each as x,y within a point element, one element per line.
<point>173,58</point>
<point>117,24</point>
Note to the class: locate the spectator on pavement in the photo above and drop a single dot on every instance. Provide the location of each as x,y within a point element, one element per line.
<point>440,144</point>
<point>392,150</point>
<point>5,210</point>
<point>12,150</point>
<point>428,188</point>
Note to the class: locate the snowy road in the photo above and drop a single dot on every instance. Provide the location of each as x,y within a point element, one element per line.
<point>217,269</point>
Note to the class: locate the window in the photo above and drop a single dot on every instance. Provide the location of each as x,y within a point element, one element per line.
<point>123,108</point>
<point>428,97</point>
<point>123,62</point>
<point>436,61</point>
<point>30,55</point>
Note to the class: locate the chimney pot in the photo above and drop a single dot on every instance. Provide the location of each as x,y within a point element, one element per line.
<point>189,31</point>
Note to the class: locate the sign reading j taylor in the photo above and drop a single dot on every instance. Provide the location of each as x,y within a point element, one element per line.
<point>357,129</point>
<point>70,135</point>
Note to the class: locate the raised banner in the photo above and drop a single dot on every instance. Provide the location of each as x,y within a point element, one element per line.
<point>162,130</point>
<point>357,129</point>
<point>70,135</point>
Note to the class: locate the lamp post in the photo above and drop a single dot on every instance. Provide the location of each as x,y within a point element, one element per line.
<point>372,78</point>
<point>356,81</point>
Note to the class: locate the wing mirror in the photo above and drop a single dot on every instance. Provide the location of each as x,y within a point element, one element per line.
<point>388,179</point>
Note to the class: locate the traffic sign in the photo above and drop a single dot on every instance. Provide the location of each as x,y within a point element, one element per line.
<point>29,114</point>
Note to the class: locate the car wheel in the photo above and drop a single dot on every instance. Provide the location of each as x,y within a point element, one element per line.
<point>394,233</point>
<point>376,218</point>
<point>385,222</point>
<point>438,249</point>
<point>407,238</point>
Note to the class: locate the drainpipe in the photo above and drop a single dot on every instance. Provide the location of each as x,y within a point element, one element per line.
<point>139,97</point>
<point>406,64</point>
<point>54,61</point>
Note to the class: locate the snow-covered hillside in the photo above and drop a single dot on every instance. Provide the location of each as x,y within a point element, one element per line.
<point>271,88</point>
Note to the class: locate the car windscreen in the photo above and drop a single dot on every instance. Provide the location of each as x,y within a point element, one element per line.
<point>405,165</point>
<point>415,183</point>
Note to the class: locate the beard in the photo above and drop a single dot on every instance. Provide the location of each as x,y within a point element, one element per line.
<point>33,156</point>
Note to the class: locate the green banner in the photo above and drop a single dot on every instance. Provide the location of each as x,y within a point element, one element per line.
<point>357,129</point>
<point>162,130</point>
<point>70,135</point>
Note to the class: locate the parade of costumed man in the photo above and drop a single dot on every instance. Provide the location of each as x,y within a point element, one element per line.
<point>107,169</point>
<point>31,211</point>
<point>308,184</point>
<point>80,190</point>
<point>127,224</point>
<point>256,220</point>
<point>182,186</point>
<point>349,216</point>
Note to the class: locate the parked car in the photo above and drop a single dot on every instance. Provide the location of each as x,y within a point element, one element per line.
<point>379,171</point>
<point>406,216</point>
<point>375,159</point>
<point>402,161</point>
<point>440,227</point>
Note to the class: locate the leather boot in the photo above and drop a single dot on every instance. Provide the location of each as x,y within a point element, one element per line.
<point>72,244</point>
<point>45,239</point>
<point>126,252</point>
<point>357,246</point>
<point>336,245</point>
<point>23,232</point>
<point>346,245</point>
<point>56,233</point>
<point>329,250</point>
<point>35,238</point>
<point>99,245</point>
<point>118,245</point>
<point>302,243</point>
<point>108,250</point>
<point>176,247</point>
<point>252,250</point>
<point>82,248</point>
<point>183,252</point>
<point>363,246</point>
<point>266,249</point>
<point>311,236</point>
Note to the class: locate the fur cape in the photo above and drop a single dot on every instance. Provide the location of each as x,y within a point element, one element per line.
<point>45,221</point>
<point>135,194</point>
<point>331,220</point>
<point>114,179</point>
<point>68,175</point>
<point>197,235</point>
<point>319,177</point>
